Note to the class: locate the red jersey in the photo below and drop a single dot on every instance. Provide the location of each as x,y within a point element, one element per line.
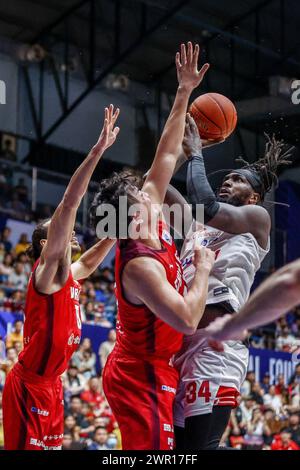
<point>278,445</point>
<point>52,328</point>
<point>139,331</point>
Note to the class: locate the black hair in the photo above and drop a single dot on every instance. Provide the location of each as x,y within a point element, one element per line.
<point>110,190</point>
<point>264,170</point>
<point>40,232</point>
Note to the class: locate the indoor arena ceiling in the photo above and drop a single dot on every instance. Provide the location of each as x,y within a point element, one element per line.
<point>246,41</point>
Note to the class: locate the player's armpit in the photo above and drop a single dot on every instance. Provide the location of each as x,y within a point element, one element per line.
<point>250,218</point>
<point>146,278</point>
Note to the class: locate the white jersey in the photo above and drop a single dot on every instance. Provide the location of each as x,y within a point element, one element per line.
<point>238,257</point>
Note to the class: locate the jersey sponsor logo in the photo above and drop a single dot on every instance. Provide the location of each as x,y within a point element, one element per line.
<point>171,443</point>
<point>55,437</point>
<point>73,339</point>
<point>166,388</point>
<point>220,290</point>
<point>167,237</point>
<point>38,443</point>
<point>168,427</point>
<point>75,293</point>
<point>39,412</point>
<point>186,262</point>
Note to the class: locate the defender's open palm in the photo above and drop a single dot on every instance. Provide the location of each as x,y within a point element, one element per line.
<point>187,66</point>
<point>109,131</point>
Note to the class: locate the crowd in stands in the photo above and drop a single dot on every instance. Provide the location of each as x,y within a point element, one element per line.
<point>268,416</point>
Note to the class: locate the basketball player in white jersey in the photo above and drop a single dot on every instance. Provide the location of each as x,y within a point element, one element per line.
<point>237,229</point>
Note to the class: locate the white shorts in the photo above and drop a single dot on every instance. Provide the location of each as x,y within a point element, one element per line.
<point>208,377</point>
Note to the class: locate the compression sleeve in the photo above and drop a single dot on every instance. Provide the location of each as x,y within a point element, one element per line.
<point>199,190</point>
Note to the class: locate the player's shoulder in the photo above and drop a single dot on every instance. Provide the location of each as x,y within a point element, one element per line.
<point>257,213</point>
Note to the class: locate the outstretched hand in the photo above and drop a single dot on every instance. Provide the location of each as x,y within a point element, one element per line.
<point>187,66</point>
<point>109,132</point>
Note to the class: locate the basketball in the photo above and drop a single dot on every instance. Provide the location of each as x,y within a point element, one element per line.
<point>215,116</point>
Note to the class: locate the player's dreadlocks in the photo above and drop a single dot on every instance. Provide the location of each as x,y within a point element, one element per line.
<point>262,174</point>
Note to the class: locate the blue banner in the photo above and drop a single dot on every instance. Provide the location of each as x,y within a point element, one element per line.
<point>273,362</point>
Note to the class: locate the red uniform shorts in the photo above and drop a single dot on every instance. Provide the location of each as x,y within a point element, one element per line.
<point>141,395</point>
<point>33,411</point>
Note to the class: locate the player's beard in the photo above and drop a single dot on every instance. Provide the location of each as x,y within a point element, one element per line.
<point>233,200</point>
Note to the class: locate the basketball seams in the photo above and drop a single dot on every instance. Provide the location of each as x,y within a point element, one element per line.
<point>200,112</point>
<point>220,107</point>
<point>216,114</point>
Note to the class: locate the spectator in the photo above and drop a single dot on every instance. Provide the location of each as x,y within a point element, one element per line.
<point>282,389</point>
<point>247,385</point>
<point>74,382</point>
<point>2,377</point>
<point>22,258</point>
<point>284,441</point>
<point>272,400</point>
<point>87,365</point>
<point>67,441</point>
<point>16,335</point>
<point>7,151</point>
<point>266,382</point>
<point>285,340</point>
<point>295,378</point>
<point>5,239</point>
<point>22,244</point>
<point>294,428</point>
<point>18,279</point>
<point>6,267</point>
<point>99,440</point>
<point>106,347</point>
<point>11,359</point>
<point>72,428</point>
<point>112,441</point>
<point>275,422</point>
<point>70,444</point>
<point>2,349</point>
<point>256,428</point>
<point>18,345</point>
<point>85,359</point>
<point>75,409</point>
<point>247,406</point>
<point>257,393</point>
<point>92,395</point>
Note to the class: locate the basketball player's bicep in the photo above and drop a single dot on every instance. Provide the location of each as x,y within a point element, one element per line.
<point>253,219</point>
<point>153,289</point>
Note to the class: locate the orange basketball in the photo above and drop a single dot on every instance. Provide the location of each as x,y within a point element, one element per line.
<point>215,115</point>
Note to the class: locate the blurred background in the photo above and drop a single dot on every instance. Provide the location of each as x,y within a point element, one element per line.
<point>60,64</point>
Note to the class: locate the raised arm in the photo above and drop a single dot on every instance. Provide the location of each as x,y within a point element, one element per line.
<point>91,259</point>
<point>227,217</point>
<point>55,261</point>
<point>147,279</point>
<point>272,299</point>
<point>170,144</point>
